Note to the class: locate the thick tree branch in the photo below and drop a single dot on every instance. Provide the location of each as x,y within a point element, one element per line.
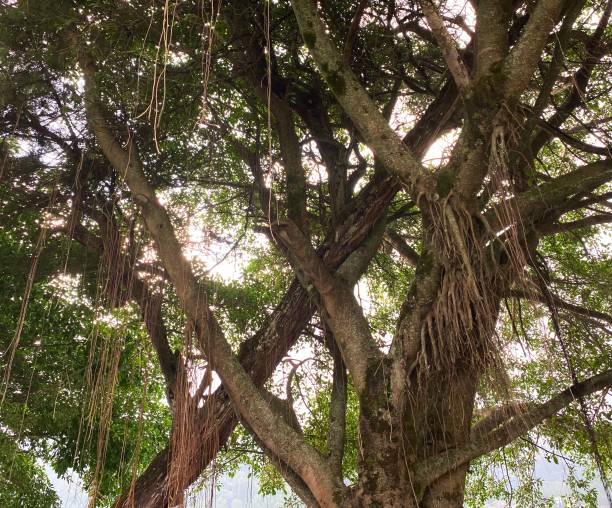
<point>562,227</point>
<point>399,244</point>
<point>336,434</point>
<point>508,431</point>
<point>525,55</point>
<point>495,417</point>
<point>492,19</point>
<point>447,45</point>
<point>553,197</point>
<point>343,314</point>
<point>291,153</point>
<point>276,435</point>
<point>395,156</point>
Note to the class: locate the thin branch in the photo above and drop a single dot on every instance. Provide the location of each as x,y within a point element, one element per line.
<point>562,304</point>
<point>570,140</point>
<point>595,49</point>
<point>351,37</point>
<point>551,198</point>
<point>562,227</point>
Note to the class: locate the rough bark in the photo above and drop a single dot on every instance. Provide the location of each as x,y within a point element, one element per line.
<point>261,353</point>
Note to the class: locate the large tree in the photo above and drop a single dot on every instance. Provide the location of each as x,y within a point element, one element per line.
<point>451,161</point>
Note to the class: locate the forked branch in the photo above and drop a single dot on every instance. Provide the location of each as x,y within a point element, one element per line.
<point>343,314</point>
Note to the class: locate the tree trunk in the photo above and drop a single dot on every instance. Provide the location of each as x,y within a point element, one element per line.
<point>450,408</point>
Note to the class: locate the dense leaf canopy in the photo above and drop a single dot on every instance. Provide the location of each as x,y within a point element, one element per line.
<point>326,222</point>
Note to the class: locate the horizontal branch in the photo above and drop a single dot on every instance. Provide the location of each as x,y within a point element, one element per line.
<point>576,143</point>
<point>562,304</point>
<point>562,227</point>
<point>550,199</point>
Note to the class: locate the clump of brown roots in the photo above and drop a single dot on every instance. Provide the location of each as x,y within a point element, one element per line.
<point>477,264</point>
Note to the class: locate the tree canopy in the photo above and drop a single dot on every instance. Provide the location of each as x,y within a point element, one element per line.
<point>362,246</point>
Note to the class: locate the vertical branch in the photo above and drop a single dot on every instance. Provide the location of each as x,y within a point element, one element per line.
<point>351,37</point>
<point>292,160</point>
<point>336,435</point>
<point>447,46</point>
<point>492,19</point>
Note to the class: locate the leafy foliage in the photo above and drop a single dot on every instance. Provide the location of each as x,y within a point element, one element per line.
<point>209,101</point>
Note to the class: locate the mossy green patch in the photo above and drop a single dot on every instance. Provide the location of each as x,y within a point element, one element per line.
<point>425,263</point>
<point>444,183</point>
<point>334,79</point>
<point>336,83</point>
<point>310,39</point>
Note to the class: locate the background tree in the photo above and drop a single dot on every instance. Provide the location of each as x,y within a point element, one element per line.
<point>415,196</point>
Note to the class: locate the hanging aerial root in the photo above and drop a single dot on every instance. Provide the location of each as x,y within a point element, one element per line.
<point>477,264</point>
<point>194,395</point>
